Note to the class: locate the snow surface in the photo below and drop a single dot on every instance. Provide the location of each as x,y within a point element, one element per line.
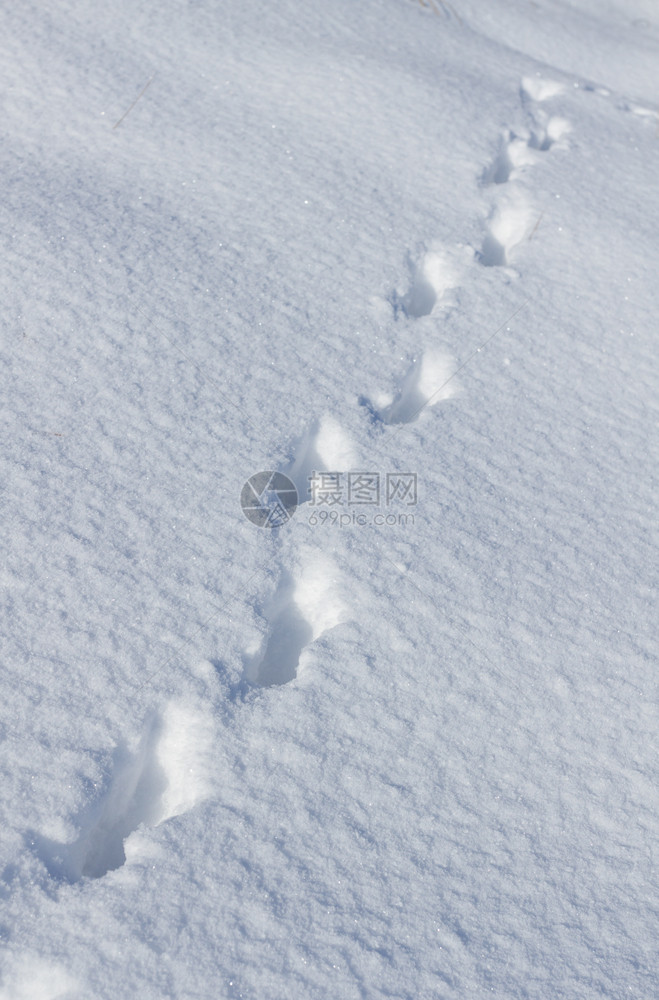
<point>331,759</point>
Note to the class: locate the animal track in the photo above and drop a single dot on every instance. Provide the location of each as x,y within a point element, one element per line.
<point>539,88</point>
<point>428,381</point>
<point>165,776</point>
<point>510,223</point>
<point>303,608</point>
<point>430,278</point>
<point>546,134</point>
<point>512,220</point>
<point>324,447</point>
<point>518,151</point>
<point>304,605</point>
<point>512,156</point>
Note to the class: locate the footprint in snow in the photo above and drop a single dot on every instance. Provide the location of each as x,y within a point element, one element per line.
<point>539,88</point>
<point>164,776</point>
<point>324,447</point>
<point>428,381</point>
<point>431,277</point>
<point>517,151</point>
<point>304,607</point>
<point>548,131</point>
<point>511,222</point>
<point>514,154</point>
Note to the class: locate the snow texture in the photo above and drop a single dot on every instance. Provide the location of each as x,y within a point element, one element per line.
<point>403,745</point>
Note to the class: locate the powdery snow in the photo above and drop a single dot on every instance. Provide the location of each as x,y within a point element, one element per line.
<point>403,744</point>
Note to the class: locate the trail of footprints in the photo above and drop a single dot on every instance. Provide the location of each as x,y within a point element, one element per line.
<point>165,775</point>
<point>305,605</point>
<point>513,218</point>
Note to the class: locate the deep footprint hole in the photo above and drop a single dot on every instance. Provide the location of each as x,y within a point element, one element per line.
<point>289,635</point>
<point>492,254</point>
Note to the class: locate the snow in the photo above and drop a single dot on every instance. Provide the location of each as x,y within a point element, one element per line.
<point>388,749</point>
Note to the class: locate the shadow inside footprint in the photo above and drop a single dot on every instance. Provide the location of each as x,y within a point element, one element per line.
<point>164,776</point>
<point>302,609</point>
<point>431,278</point>
<point>541,141</point>
<point>501,168</point>
<point>421,298</point>
<point>134,797</point>
<point>289,634</point>
<point>374,414</point>
<point>492,254</point>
